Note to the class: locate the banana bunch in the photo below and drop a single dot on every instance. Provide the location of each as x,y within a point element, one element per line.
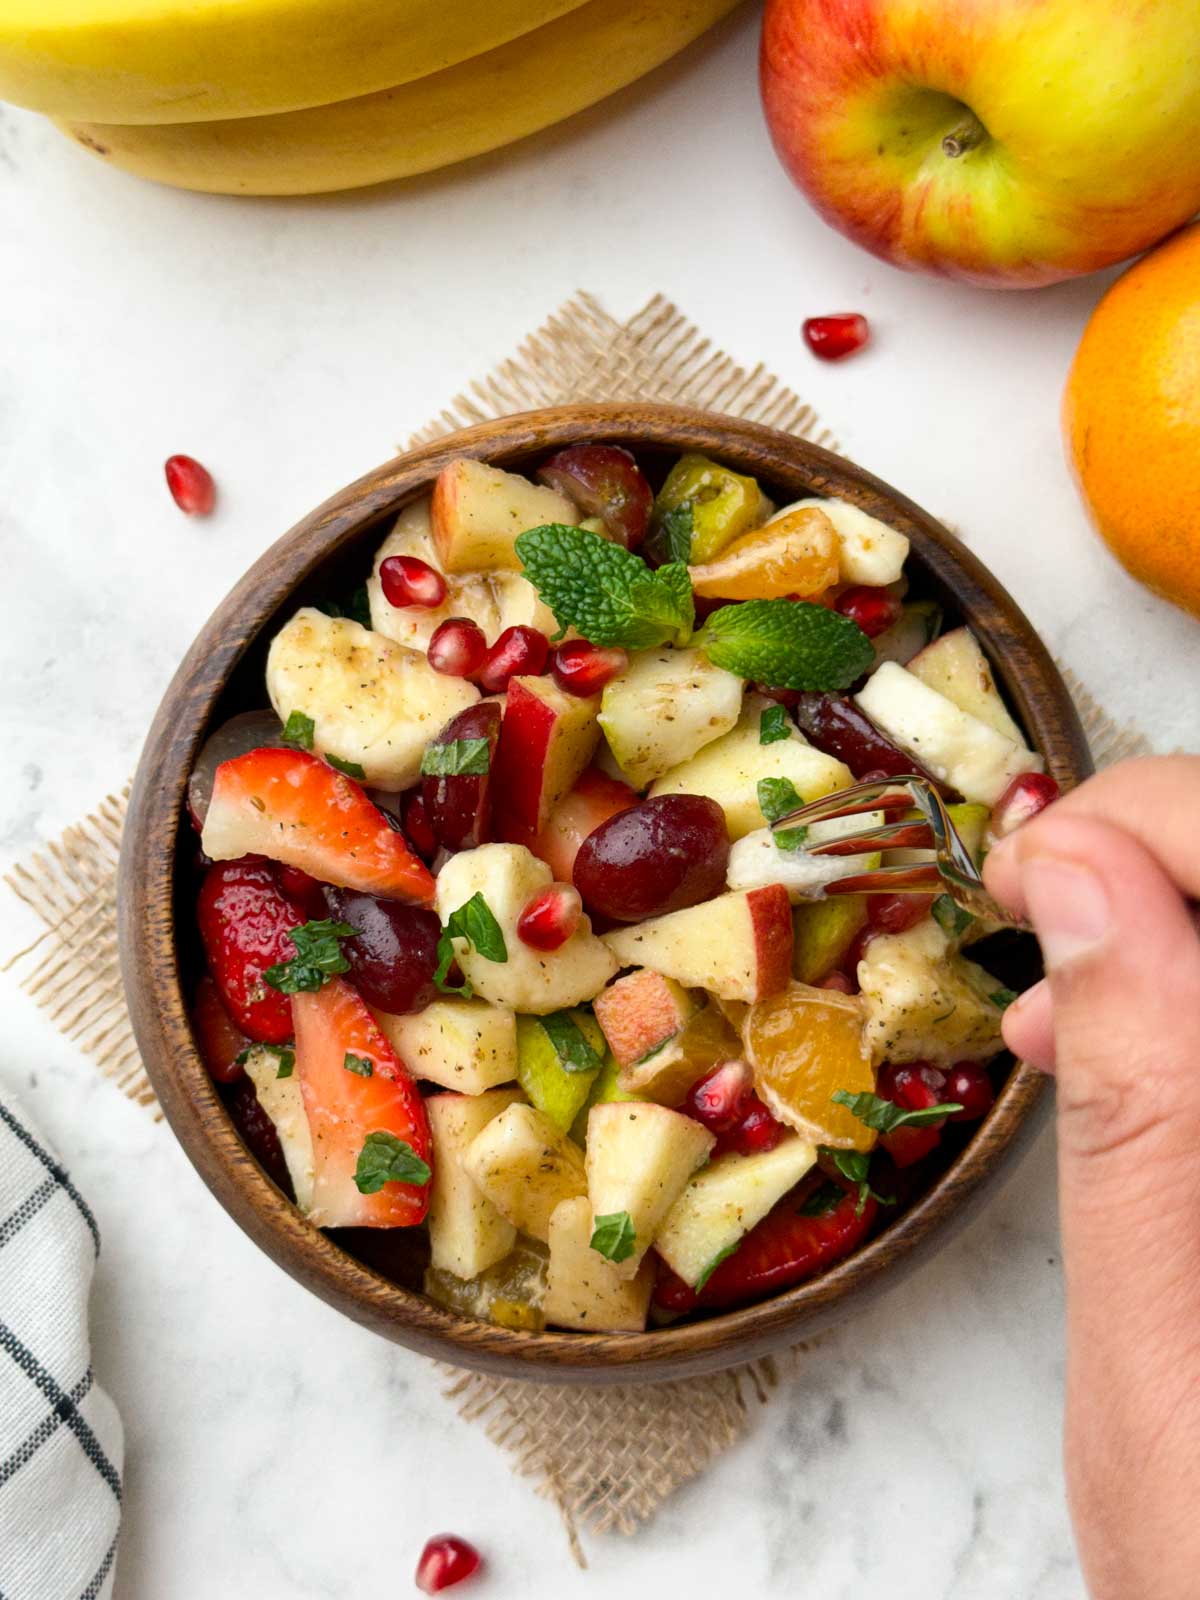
<point>305,96</point>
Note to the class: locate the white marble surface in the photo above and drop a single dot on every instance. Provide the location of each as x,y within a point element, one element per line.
<point>273,1448</point>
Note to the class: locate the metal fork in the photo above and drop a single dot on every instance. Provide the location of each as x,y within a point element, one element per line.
<point>952,871</point>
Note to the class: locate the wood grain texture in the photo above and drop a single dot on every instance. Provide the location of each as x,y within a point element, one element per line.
<point>223,664</point>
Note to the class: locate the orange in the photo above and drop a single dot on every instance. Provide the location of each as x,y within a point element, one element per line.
<point>804,1045</point>
<point>1131,414</point>
<point>795,554</point>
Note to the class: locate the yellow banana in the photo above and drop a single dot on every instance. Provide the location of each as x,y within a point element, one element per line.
<point>487,101</point>
<point>195,60</point>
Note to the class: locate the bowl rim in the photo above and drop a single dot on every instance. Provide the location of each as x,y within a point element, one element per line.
<point>147,889</point>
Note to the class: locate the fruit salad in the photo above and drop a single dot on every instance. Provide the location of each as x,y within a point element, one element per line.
<point>502,947</point>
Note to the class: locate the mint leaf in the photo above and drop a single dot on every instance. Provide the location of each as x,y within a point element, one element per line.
<point>299,730</point>
<point>361,1066</point>
<point>950,916</point>
<point>855,1165</point>
<point>792,644</point>
<point>570,1043</point>
<point>386,1159</point>
<point>675,576</point>
<point>357,607</point>
<point>465,757</point>
<point>318,957</point>
<point>603,590</point>
<point>774,724</point>
<point>675,529</point>
<point>1003,998</point>
<point>884,1116</point>
<point>350,768</point>
<point>777,798</point>
<point>474,922</point>
<point>721,1255</point>
<point>613,1236</point>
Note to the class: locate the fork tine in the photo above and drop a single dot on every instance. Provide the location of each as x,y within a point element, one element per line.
<point>850,802</point>
<point>920,878</point>
<point>887,836</point>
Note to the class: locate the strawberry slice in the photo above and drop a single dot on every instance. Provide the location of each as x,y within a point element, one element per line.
<point>785,1248</point>
<point>244,920</point>
<point>218,1038</point>
<point>290,806</point>
<point>346,1105</point>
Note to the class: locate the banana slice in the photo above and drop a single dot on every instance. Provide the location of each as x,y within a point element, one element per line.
<point>372,702</point>
<point>495,600</point>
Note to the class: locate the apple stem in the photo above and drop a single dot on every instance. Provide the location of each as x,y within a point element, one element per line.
<point>969,133</point>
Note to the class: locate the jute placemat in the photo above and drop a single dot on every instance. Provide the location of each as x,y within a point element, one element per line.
<point>607,1457</point>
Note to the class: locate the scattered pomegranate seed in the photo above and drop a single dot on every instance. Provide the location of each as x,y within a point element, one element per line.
<point>417,827</point>
<point>550,918</point>
<point>1025,796</point>
<point>968,1085</point>
<point>916,1086</point>
<point>757,1131</point>
<point>458,648</point>
<point>897,913</point>
<point>519,652</point>
<point>445,1561</point>
<point>874,610</point>
<point>584,669</point>
<point>835,337</point>
<point>720,1099</point>
<point>908,1145</point>
<point>407,581</point>
<point>191,485</point>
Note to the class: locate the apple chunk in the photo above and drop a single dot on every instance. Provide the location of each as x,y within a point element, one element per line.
<point>283,1101</point>
<point>665,706</point>
<point>466,1232</point>
<point>528,980</point>
<point>526,1167</point>
<point>478,512</point>
<point>955,666</point>
<point>640,1012</point>
<point>639,1158</point>
<point>583,1290</point>
<point>546,741</point>
<point>467,1045</point>
<point>738,946</point>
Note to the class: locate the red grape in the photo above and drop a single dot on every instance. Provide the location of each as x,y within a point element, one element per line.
<point>604,481</point>
<point>837,726</point>
<point>458,804</point>
<point>394,957</point>
<point>661,855</point>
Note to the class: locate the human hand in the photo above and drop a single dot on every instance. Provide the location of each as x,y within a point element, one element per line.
<point>1105,875</point>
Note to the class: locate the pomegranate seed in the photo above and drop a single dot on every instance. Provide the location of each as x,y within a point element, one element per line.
<point>838,981</point>
<point>908,1145</point>
<point>457,648</point>
<point>191,485</point>
<point>756,1132</point>
<point>721,1098</point>
<point>445,1561</point>
<point>896,913</point>
<point>874,610</point>
<point>584,669</point>
<point>407,581</point>
<point>1025,796</point>
<point>968,1084</point>
<point>519,652</point>
<point>550,918</point>
<point>418,828</point>
<point>835,337</point>
<point>917,1086</point>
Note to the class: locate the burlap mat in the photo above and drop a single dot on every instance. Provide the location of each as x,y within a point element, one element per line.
<point>607,1457</point>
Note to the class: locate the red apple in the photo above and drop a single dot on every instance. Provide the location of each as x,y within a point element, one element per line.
<point>547,739</point>
<point>594,799</point>
<point>1007,142</point>
<point>640,1012</point>
<point>738,946</point>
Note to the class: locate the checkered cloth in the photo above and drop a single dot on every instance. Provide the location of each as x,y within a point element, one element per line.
<point>60,1435</point>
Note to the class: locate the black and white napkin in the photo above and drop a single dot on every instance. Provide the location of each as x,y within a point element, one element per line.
<point>60,1435</point>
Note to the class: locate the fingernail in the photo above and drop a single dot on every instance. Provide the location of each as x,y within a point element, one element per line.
<point>1069,907</point>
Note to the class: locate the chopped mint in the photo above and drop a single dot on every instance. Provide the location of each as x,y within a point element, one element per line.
<point>603,590</point>
<point>855,1165</point>
<point>793,644</point>
<point>1003,998</point>
<point>461,757</point>
<point>299,730</point>
<point>822,1201</point>
<point>774,724</point>
<point>884,1116</point>
<point>777,798</point>
<point>350,768</point>
<point>286,1059</point>
<point>950,916</point>
<point>386,1159</point>
<point>318,957</point>
<point>613,1236</point>
<point>570,1043</point>
<point>362,1066</point>
<point>721,1255</point>
<point>675,528</point>
<point>357,607</point>
<point>474,922</point>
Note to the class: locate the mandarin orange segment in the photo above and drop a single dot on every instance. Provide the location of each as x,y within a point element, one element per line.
<point>804,1045</point>
<point>797,554</point>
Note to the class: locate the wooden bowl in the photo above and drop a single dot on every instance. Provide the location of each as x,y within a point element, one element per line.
<point>222,673</point>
